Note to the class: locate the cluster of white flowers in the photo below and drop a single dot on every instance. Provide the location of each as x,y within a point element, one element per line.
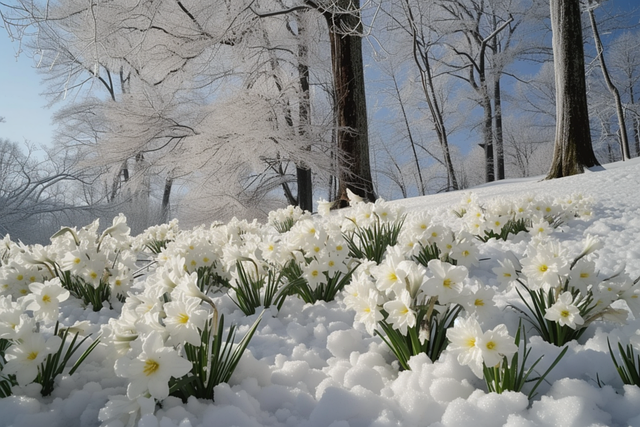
<point>152,325</point>
<point>155,238</point>
<point>573,282</point>
<point>283,219</point>
<point>365,215</point>
<point>319,249</point>
<point>474,347</point>
<point>537,213</point>
<point>421,233</point>
<point>422,279</point>
<point>26,346</point>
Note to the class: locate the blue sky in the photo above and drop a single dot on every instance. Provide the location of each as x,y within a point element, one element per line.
<point>26,118</point>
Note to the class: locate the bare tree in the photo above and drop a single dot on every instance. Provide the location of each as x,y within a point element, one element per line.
<point>622,127</point>
<point>573,150</point>
<point>625,69</point>
<point>33,189</point>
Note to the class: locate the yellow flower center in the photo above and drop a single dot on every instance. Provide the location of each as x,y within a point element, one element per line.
<point>564,313</point>
<point>543,268</point>
<point>393,277</point>
<point>491,345</point>
<point>46,298</point>
<point>205,260</point>
<point>315,273</point>
<point>447,283</point>
<point>150,366</point>
<point>506,274</point>
<point>183,318</point>
<point>479,302</point>
<point>32,355</point>
<point>471,342</point>
<point>76,260</point>
<point>19,277</point>
<point>584,275</point>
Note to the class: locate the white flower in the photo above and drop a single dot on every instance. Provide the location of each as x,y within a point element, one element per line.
<point>401,316</point>
<point>368,310</point>
<point>496,344</point>
<point>45,298</point>
<point>591,244</point>
<point>544,269</point>
<point>495,222</point>
<point>447,281</point>
<point>506,273</point>
<point>185,320</point>
<point>583,275</point>
<point>313,274</point>
<point>25,356</point>
<point>632,298</point>
<point>465,252</point>
<point>14,323</point>
<point>353,198</point>
<point>152,369</point>
<point>564,312</point>
<point>540,228</point>
<point>480,301</point>
<point>119,228</point>
<point>464,336</point>
<point>388,278</point>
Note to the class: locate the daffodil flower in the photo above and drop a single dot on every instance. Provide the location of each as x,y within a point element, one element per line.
<point>152,369</point>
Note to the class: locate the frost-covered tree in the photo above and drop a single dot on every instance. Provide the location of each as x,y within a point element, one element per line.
<point>625,68</point>
<point>622,127</point>
<point>34,188</point>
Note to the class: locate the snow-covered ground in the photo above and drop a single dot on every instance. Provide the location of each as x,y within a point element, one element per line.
<point>307,365</point>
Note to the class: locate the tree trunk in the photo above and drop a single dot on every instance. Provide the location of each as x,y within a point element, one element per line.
<point>498,121</point>
<point>487,132</point>
<point>354,170</point>
<point>166,196</point>
<point>303,174</point>
<point>573,150</point>
<point>636,123</point>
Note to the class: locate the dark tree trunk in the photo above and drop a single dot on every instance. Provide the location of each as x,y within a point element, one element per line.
<point>636,123</point>
<point>303,174</point>
<point>573,150</point>
<point>497,100</point>
<point>354,170</point>
<point>166,196</point>
<point>487,131</point>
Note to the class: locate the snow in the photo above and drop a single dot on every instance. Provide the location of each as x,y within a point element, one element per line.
<point>308,366</point>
